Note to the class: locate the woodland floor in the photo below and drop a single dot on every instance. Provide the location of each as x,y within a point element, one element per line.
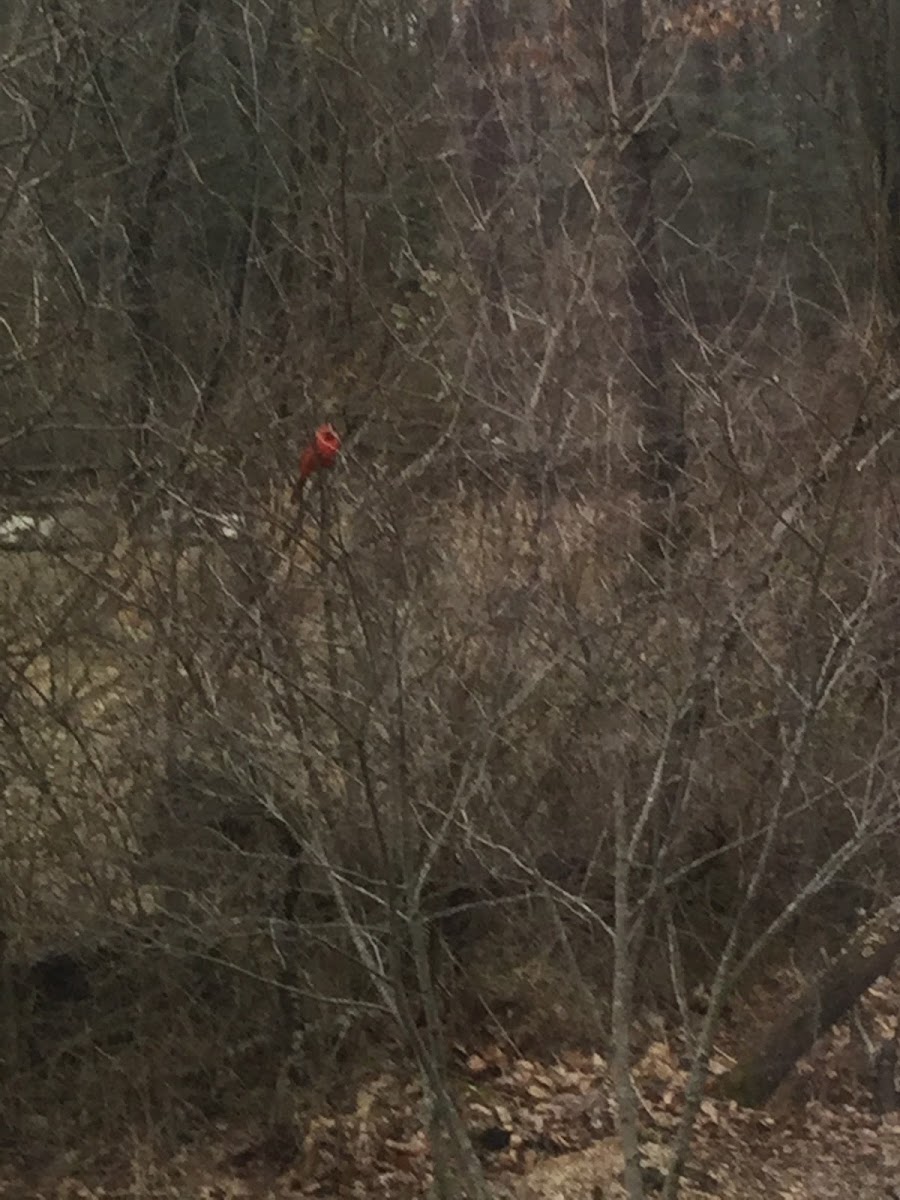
<point>818,1139</point>
<point>543,1127</point>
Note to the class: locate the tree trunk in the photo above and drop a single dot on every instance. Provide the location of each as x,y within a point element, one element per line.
<point>870,38</point>
<point>869,954</point>
<point>488,146</point>
<point>142,240</point>
<point>891,157</point>
<point>663,442</point>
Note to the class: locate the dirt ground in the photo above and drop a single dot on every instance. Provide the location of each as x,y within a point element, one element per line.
<point>542,1131</point>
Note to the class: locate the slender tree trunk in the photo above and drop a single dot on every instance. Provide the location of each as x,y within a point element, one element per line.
<point>489,147</point>
<point>709,79</point>
<point>663,442</point>
<point>869,37</point>
<point>142,242</point>
<point>891,155</point>
<point>627,1110</point>
<point>869,953</point>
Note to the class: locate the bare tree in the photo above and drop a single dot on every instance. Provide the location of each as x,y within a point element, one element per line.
<point>257,750</point>
<point>664,445</point>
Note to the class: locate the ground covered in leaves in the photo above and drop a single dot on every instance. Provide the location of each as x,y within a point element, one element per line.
<point>543,1130</point>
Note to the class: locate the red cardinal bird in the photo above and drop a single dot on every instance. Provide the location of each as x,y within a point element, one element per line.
<point>321,454</point>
